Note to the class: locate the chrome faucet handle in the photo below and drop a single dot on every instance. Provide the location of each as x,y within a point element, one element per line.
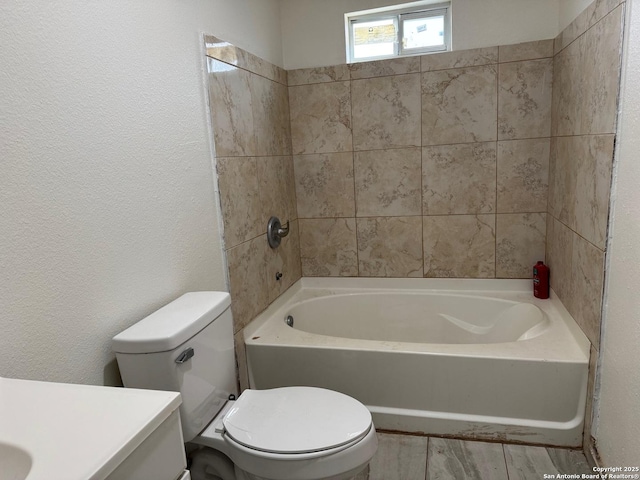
<point>276,231</point>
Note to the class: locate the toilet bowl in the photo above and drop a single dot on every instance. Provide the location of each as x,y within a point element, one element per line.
<point>287,433</point>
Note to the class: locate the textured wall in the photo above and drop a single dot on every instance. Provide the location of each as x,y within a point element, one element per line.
<point>429,166</point>
<point>584,110</point>
<point>107,206</point>
<point>249,107</point>
<point>620,378</point>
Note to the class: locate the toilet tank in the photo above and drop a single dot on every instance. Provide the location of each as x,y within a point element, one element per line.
<point>186,346</point>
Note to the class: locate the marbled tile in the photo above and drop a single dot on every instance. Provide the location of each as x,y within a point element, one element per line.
<point>456,460</point>
<point>459,105</point>
<point>520,243</point>
<point>461,246</point>
<point>284,259</point>
<point>306,76</point>
<point>277,187</point>
<point>523,175</point>
<point>247,280</point>
<point>382,68</point>
<point>362,475</point>
<point>559,251</point>
<point>594,158</point>
<point>241,360</point>
<point>562,178</point>
<point>328,247</point>
<point>386,112</point>
<point>324,185</point>
<point>525,51</point>
<point>569,462</point>
<point>321,117</point>
<point>231,109</point>
<point>568,86</point>
<point>242,212</point>
<point>389,246</point>
<point>388,182</point>
<point>601,64</point>
<point>399,457</point>
<point>270,103</point>
<point>525,462</point>
<point>228,53</point>
<point>459,59</point>
<point>524,99</point>
<point>572,32</point>
<point>599,9</point>
<point>459,179</point>
<point>588,411</point>
<point>587,279</point>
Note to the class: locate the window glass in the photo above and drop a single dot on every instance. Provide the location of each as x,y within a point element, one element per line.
<point>374,38</point>
<point>423,32</point>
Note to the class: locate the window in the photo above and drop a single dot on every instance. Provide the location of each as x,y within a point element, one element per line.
<point>409,29</point>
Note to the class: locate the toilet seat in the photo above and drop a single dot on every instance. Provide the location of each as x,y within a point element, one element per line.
<point>296,420</point>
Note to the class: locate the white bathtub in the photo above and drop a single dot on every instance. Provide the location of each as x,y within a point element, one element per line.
<point>479,359</point>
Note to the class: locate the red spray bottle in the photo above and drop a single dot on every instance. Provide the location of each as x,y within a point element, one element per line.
<point>540,280</point>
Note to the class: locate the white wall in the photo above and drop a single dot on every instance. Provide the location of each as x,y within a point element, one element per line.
<point>107,206</point>
<point>313,30</point>
<point>619,415</point>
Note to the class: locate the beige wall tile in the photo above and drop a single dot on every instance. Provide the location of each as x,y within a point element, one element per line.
<point>459,179</point>
<point>284,259</point>
<point>559,251</point>
<point>328,247</point>
<point>520,243</point>
<point>390,246</point>
<point>459,105</point>
<point>270,104</point>
<point>601,69</point>
<point>324,185</point>
<point>242,211</point>
<point>248,280</point>
<point>386,112</point>
<point>460,246</point>
<point>231,109</point>
<point>277,188</point>
<point>587,279</point>
<point>459,59</point>
<point>523,175</point>
<point>573,31</point>
<point>321,118</point>
<point>599,9</point>
<point>306,76</point>
<point>594,162</point>
<point>525,51</point>
<point>562,178</point>
<point>568,86</point>
<point>388,182</point>
<point>524,99</point>
<point>382,68</point>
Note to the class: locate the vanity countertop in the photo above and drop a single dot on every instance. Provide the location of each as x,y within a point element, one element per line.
<point>78,432</point>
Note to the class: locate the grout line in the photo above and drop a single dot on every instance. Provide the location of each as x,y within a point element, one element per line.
<point>504,456</point>
<point>495,233</point>
<point>426,467</point>
<point>353,160</point>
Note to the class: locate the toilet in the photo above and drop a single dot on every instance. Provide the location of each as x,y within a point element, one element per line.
<point>287,433</point>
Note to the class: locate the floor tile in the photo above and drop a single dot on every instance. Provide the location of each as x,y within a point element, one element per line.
<point>569,461</point>
<point>462,460</point>
<point>399,457</point>
<point>527,463</point>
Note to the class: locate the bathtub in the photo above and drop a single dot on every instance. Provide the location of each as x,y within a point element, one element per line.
<point>475,359</point>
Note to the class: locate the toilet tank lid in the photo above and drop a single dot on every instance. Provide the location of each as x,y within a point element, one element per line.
<point>173,324</point>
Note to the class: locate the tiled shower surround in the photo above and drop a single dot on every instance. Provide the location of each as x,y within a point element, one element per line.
<point>471,163</point>
<point>433,166</point>
<point>584,111</point>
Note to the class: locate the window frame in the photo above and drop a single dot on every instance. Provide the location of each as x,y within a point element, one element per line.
<point>397,13</point>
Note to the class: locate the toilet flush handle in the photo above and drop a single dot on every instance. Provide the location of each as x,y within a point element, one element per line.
<point>186,355</point>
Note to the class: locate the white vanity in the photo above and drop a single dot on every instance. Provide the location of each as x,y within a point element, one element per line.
<point>81,432</point>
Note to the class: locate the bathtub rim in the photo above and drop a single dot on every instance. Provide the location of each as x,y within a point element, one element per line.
<point>535,348</point>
